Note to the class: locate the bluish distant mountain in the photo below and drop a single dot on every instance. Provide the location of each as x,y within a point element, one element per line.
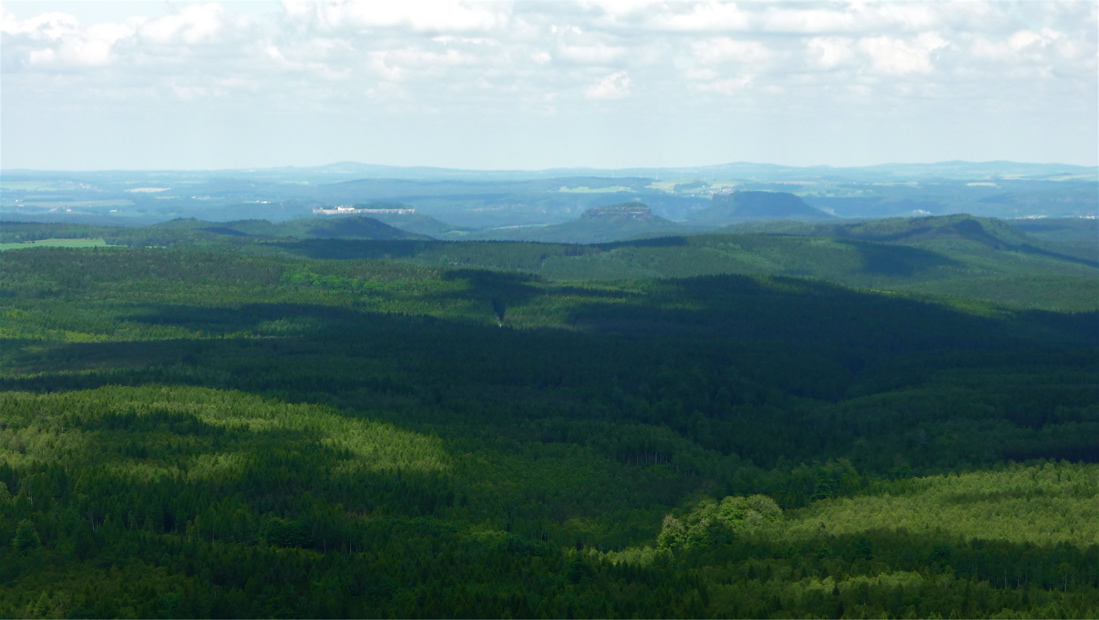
<point>743,206</point>
<point>630,220</point>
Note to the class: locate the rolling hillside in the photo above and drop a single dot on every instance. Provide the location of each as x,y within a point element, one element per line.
<point>958,256</point>
<point>343,227</point>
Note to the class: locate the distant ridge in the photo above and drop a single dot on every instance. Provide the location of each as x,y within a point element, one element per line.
<point>496,200</point>
<point>952,231</point>
<point>631,220</point>
<point>740,206</point>
<point>628,211</point>
<point>349,227</point>
<point>987,231</point>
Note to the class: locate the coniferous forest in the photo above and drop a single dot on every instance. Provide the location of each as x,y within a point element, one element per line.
<point>201,423</point>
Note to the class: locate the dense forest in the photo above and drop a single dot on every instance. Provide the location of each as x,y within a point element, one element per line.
<point>952,256</point>
<point>198,423</point>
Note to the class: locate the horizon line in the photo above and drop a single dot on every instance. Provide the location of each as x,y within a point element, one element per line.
<point>251,169</point>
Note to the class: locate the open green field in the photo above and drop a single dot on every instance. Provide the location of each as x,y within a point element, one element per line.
<point>55,243</point>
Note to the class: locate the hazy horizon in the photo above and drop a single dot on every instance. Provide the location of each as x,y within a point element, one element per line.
<point>554,168</point>
<point>529,86</point>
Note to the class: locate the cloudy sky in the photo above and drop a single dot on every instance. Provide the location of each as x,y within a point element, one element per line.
<point>531,84</point>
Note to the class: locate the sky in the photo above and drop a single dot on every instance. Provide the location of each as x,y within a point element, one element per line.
<point>526,84</point>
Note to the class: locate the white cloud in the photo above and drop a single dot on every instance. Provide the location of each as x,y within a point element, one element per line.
<point>621,9</point>
<point>380,64</point>
<point>487,58</point>
<point>416,15</point>
<point>397,65</point>
<point>919,16</point>
<point>1045,46</point>
<point>92,48</point>
<point>59,40</point>
<point>613,86</point>
<point>1028,38</point>
<point>597,54</point>
<point>707,16</point>
<point>41,57</point>
<point>824,18</point>
<point>726,86</point>
<point>894,56</point>
<point>191,24</point>
<point>311,57</point>
<point>52,25</point>
<point>813,20</point>
<point>724,49</point>
<point>830,52</point>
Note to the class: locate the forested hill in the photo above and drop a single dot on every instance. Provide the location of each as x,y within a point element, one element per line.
<point>958,256</point>
<point>755,205</point>
<point>1079,236</point>
<point>343,227</point>
<point>1068,239</point>
<point>596,225</point>
<point>233,429</point>
<point>989,231</point>
<point>980,265</point>
<point>418,224</point>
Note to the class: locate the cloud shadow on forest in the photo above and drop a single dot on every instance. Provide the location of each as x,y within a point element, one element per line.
<point>897,261</point>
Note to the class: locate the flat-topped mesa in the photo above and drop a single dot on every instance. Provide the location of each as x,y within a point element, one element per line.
<point>634,210</point>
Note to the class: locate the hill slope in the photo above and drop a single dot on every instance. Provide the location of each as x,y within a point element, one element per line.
<point>420,225</point>
<point>349,227</point>
<point>741,206</point>
<point>596,225</point>
<point>974,235</point>
<point>912,229</point>
<point>960,256</point>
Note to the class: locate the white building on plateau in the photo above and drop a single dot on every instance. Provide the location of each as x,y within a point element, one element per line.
<point>345,210</point>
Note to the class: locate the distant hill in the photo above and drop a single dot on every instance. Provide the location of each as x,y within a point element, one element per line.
<point>411,222</point>
<point>351,227</point>
<point>1062,229</point>
<point>354,227</point>
<point>743,206</point>
<point>959,256</point>
<point>618,222</point>
<point>948,232</point>
<point>626,212</point>
<point>408,222</point>
<point>940,232</point>
<point>910,229</point>
<point>499,199</point>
